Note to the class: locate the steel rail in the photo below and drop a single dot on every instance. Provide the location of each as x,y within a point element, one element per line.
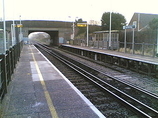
<point>116,79</point>
<point>90,76</point>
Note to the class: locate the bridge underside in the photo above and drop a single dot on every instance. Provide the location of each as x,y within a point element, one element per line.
<point>54,41</point>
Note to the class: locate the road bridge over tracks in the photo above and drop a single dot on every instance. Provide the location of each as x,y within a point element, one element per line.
<point>56,29</point>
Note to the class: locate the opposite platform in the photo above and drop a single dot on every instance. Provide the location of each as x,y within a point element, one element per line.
<point>139,58</point>
<point>39,90</point>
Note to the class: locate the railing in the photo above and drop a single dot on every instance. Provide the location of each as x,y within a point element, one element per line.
<point>145,49</point>
<point>8,62</point>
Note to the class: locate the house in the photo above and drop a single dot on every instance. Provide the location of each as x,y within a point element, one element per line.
<point>142,20</point>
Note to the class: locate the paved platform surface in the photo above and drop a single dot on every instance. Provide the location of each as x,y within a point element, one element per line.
<point>146,59</point>
<point>39,90</point>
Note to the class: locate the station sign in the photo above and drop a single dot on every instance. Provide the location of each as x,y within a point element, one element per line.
<point>19,25</point>
<point>81,24</point>
<point>129,27</point>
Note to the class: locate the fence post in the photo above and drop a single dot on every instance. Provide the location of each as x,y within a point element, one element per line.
<point>102,44</point>
<point>98,44</point>
<point>107,45</point>
<point>154,53</point>
<point>8,67</point>
<point>118,46</point>
<point>143,48</point>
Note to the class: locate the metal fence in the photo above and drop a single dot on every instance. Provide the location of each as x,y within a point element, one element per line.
<point>8,62</point>
<point>145,49</point>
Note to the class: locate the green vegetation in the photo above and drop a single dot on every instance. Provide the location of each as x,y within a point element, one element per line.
<point>117,21</point>
<point>82,31</point>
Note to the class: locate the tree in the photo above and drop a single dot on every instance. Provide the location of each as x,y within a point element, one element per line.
<point>117,21</point>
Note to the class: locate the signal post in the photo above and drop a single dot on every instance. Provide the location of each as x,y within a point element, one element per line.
<point>84,25</point>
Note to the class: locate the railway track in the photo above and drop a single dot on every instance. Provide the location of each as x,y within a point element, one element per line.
<point>142,102</point>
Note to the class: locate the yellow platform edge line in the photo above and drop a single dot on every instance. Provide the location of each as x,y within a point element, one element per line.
<point>46,93</point>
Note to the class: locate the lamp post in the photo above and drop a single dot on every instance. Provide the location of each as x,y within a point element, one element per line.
<point>133,40</point>
<point>125,41</point>
<point>87,34</point>
<point>110,31</point>
<point>73,27</point>
<point>13,26</point>
<point>157,43</point>
<point>103,24</point>
<point>110,26</point>
<point>13,33</point>
<point>4,26</point>
<point>73,31</point>
<point>20,28</point>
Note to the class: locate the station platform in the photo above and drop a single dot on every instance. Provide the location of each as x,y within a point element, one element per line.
<point>139,58</point>
<point>39,90</point>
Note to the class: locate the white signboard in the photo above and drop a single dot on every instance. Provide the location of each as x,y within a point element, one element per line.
<point>129,27</point>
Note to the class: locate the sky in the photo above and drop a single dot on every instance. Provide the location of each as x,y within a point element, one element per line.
<point>69,10</point>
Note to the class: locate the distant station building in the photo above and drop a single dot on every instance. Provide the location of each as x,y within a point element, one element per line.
<point>103,38</point>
